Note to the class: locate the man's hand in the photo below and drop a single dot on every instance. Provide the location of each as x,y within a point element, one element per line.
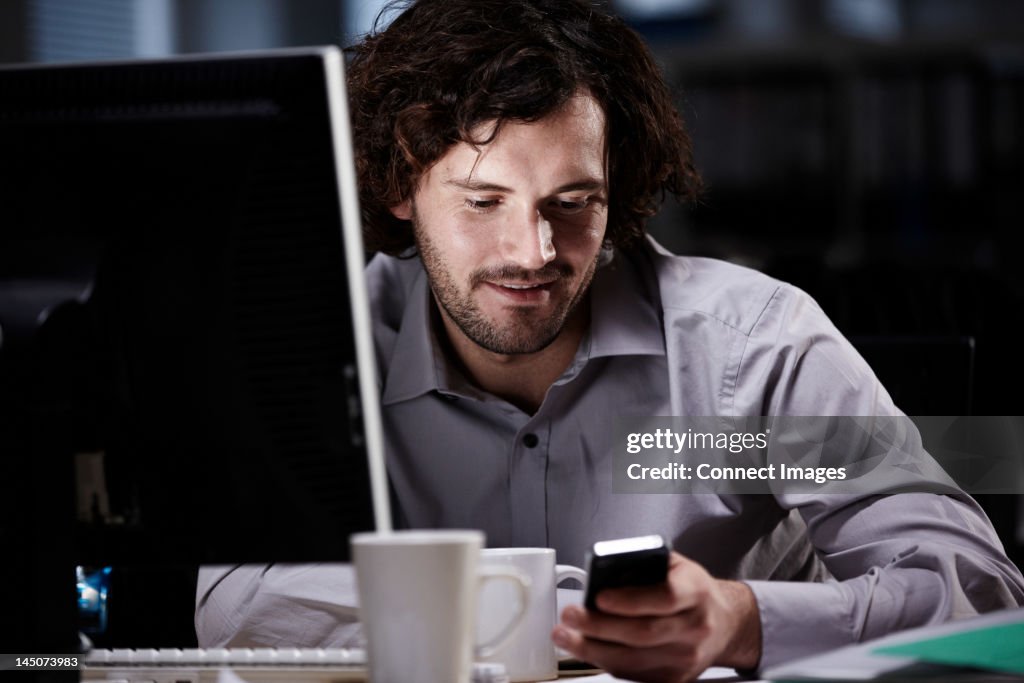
<point>670,632</point>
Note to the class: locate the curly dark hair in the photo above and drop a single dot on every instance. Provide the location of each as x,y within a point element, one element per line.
<point>443,67</point>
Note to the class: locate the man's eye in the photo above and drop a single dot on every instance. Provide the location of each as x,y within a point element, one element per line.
<point>570,205</point>
<point>481,204</point>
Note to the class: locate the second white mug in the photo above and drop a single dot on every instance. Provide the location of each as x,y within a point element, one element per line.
<point>418,594</point>
<point>529,654</point>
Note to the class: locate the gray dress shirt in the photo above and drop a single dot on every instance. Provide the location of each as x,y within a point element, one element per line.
<point>669,335</point>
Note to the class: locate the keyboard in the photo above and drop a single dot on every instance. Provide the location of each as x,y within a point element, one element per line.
<point>213,665</point>
<point>242,665</point>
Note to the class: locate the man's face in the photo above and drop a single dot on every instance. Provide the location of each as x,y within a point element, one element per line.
<point>510,232</point>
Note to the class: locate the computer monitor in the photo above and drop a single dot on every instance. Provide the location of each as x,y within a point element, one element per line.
<point>186,369</point>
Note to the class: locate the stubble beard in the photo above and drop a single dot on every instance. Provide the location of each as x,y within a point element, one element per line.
<point>522,332</point>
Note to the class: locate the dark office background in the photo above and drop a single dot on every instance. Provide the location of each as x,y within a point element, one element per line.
<point>869,151</point>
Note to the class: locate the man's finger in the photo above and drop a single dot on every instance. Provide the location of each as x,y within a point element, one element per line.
<point>662,663</point>
<point>637,631</point>
<point>686,588</point>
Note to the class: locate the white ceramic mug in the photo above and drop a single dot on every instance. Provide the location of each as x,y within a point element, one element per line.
<point>418,596</point>
<point>529,655</point>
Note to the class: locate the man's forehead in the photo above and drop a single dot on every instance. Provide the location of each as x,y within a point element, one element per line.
<point>477,184</point>
<point>567,147</point>
<point>582,110</point>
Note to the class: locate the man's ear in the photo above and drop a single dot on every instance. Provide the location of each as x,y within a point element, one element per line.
<point>403,211</point>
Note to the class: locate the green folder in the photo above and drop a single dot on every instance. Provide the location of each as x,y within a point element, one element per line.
<point>995,648</point>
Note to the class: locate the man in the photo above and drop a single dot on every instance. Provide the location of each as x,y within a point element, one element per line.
<point>508,154</point>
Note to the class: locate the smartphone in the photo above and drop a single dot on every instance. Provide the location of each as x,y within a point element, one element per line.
<point>636,561</point>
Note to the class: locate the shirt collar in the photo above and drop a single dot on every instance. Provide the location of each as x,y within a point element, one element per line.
<point>417,364</point>
<point>624,320</point>
<point>625,311</point>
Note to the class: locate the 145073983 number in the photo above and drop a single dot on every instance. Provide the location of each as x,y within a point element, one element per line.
<point>45,662</point>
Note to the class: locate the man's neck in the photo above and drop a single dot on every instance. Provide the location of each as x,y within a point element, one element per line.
<point>521,379</point>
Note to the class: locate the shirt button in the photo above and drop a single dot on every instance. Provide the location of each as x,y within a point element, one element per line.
<point>530,440</point>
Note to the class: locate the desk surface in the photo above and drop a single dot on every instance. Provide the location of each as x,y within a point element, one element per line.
<point>713,674</point>
<point>295,676</point>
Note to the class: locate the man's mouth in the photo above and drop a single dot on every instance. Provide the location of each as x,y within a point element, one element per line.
<point>523,292</point>
<point>510,285</point>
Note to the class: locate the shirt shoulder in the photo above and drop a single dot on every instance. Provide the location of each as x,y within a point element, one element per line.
<point>735,296</point>
<point>752,344</point>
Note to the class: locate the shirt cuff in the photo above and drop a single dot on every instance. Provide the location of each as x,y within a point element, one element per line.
<point>800,619</point>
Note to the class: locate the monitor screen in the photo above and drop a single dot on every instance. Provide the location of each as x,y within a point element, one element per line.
<point>186,367</point>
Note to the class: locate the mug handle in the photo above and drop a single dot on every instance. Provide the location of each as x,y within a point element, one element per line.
<point>564,572</point>
<point>522,582</point>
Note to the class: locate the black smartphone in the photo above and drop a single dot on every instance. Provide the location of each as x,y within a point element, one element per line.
<point>636,561</point>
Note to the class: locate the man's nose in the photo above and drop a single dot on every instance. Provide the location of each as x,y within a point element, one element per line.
<point>529,240</point>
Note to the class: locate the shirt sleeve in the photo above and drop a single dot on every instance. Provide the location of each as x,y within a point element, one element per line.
<point>897,561</point>
<point>278,605</point>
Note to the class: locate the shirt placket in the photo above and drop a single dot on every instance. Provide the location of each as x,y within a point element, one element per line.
<point>527,475</point>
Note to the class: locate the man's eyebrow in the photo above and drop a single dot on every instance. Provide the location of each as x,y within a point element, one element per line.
<point>590,184</point>
<point>475,185</point>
